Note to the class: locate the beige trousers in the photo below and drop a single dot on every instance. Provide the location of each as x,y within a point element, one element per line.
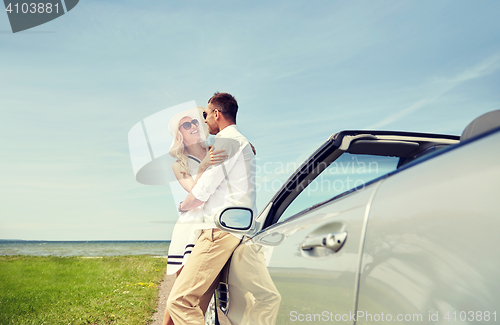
<point>253,297</point>
<point>195,285</point>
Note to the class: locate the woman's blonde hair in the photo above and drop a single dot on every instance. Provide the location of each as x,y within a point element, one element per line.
<point>179,151</point>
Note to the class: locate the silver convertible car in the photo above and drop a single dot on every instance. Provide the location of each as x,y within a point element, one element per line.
<point>375,227</point>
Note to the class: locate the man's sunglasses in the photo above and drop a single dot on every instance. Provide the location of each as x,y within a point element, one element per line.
<point>205,113</point>
<point>187,125</point>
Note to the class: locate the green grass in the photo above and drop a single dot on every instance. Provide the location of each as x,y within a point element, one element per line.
<point>76,290</point>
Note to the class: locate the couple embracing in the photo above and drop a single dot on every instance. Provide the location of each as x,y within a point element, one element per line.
<point>215,178</point>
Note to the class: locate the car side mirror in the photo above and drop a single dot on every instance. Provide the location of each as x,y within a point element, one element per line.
<point>235,219</point>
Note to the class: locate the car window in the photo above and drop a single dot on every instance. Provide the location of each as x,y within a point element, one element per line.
<point>347,172</point>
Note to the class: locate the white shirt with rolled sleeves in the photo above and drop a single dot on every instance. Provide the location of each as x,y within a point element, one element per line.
<point>238,188</point>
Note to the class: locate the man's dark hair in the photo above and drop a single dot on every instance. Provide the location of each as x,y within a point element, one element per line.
<point>226,104</point>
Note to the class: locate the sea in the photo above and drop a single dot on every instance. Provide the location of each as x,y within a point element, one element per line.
<point>83,248</point>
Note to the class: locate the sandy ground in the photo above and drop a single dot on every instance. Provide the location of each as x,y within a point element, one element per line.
<point>163,292</point>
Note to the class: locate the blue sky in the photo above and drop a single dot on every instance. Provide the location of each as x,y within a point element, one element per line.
<point>71,89</point>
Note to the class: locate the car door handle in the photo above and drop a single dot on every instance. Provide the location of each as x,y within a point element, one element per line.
<point>333,241</point>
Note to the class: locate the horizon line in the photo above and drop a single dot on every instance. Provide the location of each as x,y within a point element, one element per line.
<point>91,240</point>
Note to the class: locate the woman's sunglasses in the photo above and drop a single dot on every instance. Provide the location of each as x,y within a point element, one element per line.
<point>187,125</point>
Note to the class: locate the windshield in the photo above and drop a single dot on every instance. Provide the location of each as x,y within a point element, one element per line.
<point>345,173</point>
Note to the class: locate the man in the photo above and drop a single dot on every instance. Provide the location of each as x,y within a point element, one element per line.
<point>231,183</point>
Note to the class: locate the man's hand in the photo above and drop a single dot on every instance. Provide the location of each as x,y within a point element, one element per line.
<point>212,158</point>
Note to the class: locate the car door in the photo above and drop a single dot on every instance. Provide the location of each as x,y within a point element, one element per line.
<point>315,253</point>
<point>316,283</point>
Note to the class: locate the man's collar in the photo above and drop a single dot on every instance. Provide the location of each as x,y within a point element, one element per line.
<point>227,129</point>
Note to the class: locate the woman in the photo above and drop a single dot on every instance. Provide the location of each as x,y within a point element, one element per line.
<point>192,159</point>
